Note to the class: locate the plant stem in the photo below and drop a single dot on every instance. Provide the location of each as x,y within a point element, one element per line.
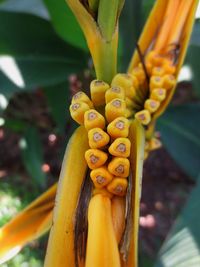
<point>107,17</point>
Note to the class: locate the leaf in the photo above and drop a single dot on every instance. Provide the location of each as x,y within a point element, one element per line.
<point>32,155</point>
<point>57,98</point>
<point>32,6</point>
<point>182,248</point>
<point>133,17</point>
<point>192,59</point>
<point>37,56</point>
<point>65,23</point>
<point>195,38</point>
<point>130,26</point>
<point>180,132</point>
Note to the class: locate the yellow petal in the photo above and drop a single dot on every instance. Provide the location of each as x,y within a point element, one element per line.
<point>28,225</point>
<point>60,250</point>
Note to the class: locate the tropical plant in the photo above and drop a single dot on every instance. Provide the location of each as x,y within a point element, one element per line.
<point>95,221</point>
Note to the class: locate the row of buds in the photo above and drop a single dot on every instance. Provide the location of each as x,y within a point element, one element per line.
<point>109,149</point>
<point>160,71</point>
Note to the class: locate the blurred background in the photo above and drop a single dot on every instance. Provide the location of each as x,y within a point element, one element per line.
<point>44,60</point>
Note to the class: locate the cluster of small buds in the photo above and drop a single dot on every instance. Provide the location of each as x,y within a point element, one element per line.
<point>161,72</point>
<point>107,136</point>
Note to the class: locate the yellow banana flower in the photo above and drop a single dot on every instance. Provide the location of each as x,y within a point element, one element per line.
<point>96,213</point>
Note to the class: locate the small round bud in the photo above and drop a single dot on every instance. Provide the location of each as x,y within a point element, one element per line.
<point>156,82</point>
<point>93,119</point>
<point>119,167</point>
<point>98,89</point>
<point>151,105</point>
<point>77,111</point>
<point>119,127</point>
<point>143,116</point>
<point>158,71</point>
<point>139,73</point>
<point>120,147</point>
<point>158,94</point>
<point>98,138</point>
<point>82,97</point>
<point>118,186</point>
<point>101,177</point>
<point>95,158</point>
<point>114,109</point>
<point>169,81</point>
<point>114,92</point>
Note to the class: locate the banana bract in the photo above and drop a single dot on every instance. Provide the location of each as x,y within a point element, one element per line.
<point>28,225</point>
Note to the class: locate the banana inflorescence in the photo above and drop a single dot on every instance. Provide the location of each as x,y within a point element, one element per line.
<point>108,159</point>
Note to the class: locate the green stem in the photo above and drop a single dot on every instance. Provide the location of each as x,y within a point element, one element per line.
<point>106,66</point>
<point>107,17</point>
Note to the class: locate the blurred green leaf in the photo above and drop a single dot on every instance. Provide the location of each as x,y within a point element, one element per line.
<point>130,25</point>
<point>32,155</point>
<point>32,6</point>
<point>180,132</point>
<point>37,57</point>
<point>15,125</point>
<point>58,100</point>
<point>65,23</point>
<point>182,248</point>
<point>194,63</point>
<point>132,20</point>
<point>195,38</point>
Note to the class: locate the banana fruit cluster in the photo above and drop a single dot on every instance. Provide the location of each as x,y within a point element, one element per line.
<point>157,77</point>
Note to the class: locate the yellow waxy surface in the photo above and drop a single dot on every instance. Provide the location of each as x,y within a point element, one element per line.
<point>102,191</point>
<point>158,94</point>
<point>114,92</point>
<point>118,216</point>
<point>101,177</point>
<point>77,111</point>
<point>151,105</point>
<point>119,166</point>
<point>102,248</point>
<point>98,138</point>
<point>119,127</point>
<point>69,186</point>
<point>118,186</point>
<point>114,109</point>
<point>143,116</point>
<point>169,81</point>
<point>120,147</point>
<point>97,90</point>
<point>93,119</point>
<point>82,97</point>
<point>156,82</point>
<point>95,158</point>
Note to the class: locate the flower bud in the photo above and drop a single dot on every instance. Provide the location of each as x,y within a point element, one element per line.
<point>98,138</point>
<point>95,158</point>
<point>93,119</point>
